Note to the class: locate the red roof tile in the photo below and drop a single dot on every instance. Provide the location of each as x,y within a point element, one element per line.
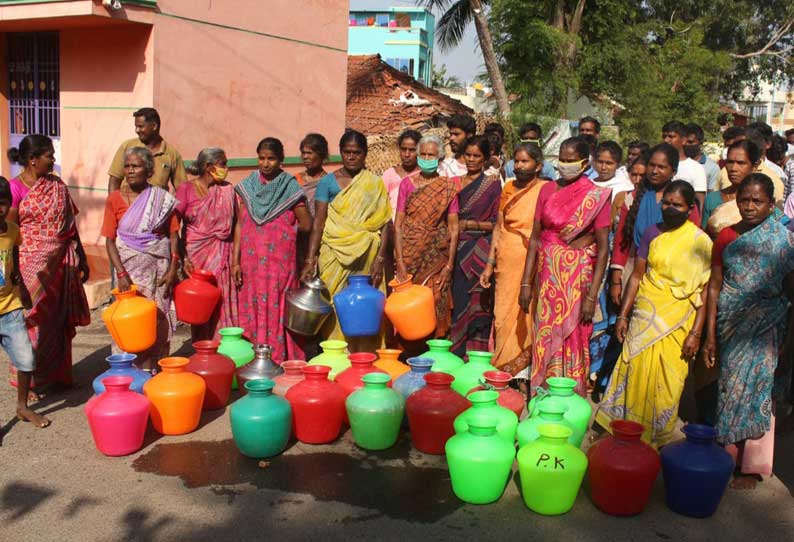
<point>374,104</point>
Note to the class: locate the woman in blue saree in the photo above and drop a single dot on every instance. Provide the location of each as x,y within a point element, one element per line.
<point>752,283</point>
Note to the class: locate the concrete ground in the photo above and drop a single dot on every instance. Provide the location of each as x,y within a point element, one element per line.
<point>54,485</point>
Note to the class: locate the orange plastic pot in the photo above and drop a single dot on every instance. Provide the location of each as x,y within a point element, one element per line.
<point>131,320</point>
<point>412,309</point>
<point>388,360</point>
<point>176,396</point>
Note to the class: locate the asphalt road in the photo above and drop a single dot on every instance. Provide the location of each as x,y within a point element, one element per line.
<point>54,485</point>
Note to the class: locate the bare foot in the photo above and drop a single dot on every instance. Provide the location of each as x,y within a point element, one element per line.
<point>744,481</point>
<point>27,415</point>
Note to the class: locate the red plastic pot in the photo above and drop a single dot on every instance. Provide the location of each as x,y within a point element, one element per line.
<point>217,371</point>
<point>196,297</point>
<point>318,406</point>
<point>622,470</point>
<point>431,412</point>
<point>508,397</point>
<point>361,363</point>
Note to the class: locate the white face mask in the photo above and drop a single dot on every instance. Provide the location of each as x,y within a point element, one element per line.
<point>725,153</point>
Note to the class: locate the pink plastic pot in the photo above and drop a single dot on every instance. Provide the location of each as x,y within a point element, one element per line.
<point>118,417</point>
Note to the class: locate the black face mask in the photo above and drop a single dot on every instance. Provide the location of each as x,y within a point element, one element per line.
<point>691,151</point>
<point>673,218</point>
<point>524,175</point>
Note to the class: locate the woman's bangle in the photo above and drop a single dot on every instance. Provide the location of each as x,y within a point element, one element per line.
<point>621,318</point>
<point>491,261</point>
<point>379,258</point>
<point>175,257</point>
<point>122,274</point>
<point>694,334</point>
<point>526,285</point>
<point>590,299</point>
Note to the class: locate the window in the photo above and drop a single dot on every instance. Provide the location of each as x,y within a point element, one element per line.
<point>361,20</point>
<point>382,19</point>
<point>758,112</point>
<point>421,74</point>
<point>405,65</point>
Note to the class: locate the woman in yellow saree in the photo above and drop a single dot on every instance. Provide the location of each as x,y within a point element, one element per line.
<point>666,300</point>
<point>512,326</point>
<point>350,233</point>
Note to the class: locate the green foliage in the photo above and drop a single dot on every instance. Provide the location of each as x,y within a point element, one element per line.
<point>440,79</point>
<point>658,59</point>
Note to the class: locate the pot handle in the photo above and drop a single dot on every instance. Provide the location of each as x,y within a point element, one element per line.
<point>540,394</point>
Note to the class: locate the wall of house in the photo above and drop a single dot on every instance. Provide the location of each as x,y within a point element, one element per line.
<point>106,74</point>
<point>229,77</point>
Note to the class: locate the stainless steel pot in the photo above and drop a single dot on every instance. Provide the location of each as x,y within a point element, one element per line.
<point>259,368</point>
<point>308,307</point>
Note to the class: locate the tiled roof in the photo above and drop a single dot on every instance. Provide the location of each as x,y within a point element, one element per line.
<point>383,100</point>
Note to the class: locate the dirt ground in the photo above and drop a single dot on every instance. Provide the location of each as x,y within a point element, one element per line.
<point>54,485</point>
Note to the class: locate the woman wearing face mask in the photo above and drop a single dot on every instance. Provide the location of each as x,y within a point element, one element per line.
<point>645,210</point>
<point>270,203</point>
<point>660,321</point>
<point>206,207</point>
<point>351,230</point>
<point>568,253</point>
<point>512,326</point>
<point>750,294</point>
<point>141,229</point>
<point>720,209</point>
<point>472,312</point>
<point>426,230</point>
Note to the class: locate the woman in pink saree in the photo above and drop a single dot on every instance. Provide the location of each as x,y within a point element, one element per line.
<point>568,252</point>
<point>206,206</point>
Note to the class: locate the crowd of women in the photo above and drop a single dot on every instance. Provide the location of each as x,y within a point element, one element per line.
<point>611,274</point>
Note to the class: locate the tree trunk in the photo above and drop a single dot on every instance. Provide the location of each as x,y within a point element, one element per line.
<point>489,56</point>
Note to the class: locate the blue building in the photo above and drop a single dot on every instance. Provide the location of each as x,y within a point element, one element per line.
<point>402,36</point>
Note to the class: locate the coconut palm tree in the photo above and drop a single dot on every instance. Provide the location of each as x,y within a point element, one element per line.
<point>457,14</point>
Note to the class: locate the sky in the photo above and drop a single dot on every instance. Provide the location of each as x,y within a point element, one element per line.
<point>464,61</point>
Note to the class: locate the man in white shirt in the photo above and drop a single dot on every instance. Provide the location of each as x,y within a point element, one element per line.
<point>674,133</point>
<point>461,128</point>
<point>693,148</point>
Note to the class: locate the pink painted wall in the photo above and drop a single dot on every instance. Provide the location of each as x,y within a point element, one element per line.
<point>280,70</point>
<point>106,73</point>
<point>231,87</point>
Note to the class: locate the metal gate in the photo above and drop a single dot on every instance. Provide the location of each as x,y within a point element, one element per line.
<point>34,88</point>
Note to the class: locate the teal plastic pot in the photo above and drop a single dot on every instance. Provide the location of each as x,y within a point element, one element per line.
<point>261,422</point>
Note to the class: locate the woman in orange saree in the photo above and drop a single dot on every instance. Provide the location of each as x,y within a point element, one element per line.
<point>512,326</point>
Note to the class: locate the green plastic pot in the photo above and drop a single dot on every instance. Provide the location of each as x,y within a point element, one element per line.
<point>375,412</point>
<point>579,410</point>
<point>470,375</point>
<point>235,347</point>
<point>551,471</point>
<point>444,361</point>
<point>334,355</point>
<point>479,461</point>
<point>261,422</point>
<point>549,411</point>
<point>483,403</point>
